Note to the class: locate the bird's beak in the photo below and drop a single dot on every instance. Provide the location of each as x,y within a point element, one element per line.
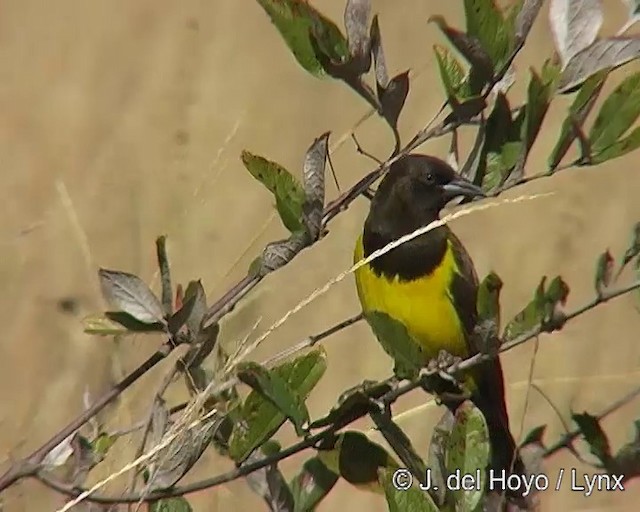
<point>461,187</point>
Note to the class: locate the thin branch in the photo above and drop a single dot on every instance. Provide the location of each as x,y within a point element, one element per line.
<point>568,438</point>
<point>166,382</point>
<point>30,464</point>
<point>388,399</point>
<point>364,152</point>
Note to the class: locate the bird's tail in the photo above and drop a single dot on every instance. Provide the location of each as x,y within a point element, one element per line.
<point>489,398</point>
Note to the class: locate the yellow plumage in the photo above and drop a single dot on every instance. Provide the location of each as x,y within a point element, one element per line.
<point>424,305</point>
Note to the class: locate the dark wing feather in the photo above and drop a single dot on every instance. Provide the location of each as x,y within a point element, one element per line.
<point>464,290</point>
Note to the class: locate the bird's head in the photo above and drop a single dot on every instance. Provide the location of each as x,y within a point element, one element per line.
<point>417,187</point>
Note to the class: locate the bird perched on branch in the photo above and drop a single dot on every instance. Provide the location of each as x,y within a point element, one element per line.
<point>430,285</point>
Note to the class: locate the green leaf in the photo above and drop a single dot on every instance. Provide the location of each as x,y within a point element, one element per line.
<point>260,418</point>
<point>353,404</point>
<point>617,114</point>
<point>410,500</point>
<point>437,458</point>
<point>398,343</point>
<point>529,317</point>
<point>488,305</point>
<point>401,445</point>
<point>534,436</point>
<point>489,298</point>
<point>355,458</point>
<point>486,23</point>
<point>175,504</point>
<point>594,436</point>
<point>311,485</point>
<point>502,146</point>
<point>102,444</point>
<point>623,146</point>
<point>289,205</point>
<point>604,272</point>
<point>578,112</point>
<point>468,452</point>
<point>288,191</point>
<point>452,74</point>
<point>500,165</point>
<point>296,20</point>
<point>539,96</point>
<point>634,246</point>
<point>556,295</point>
<point>543,308</point>
<point>627,461</point>
<point>275,389</point>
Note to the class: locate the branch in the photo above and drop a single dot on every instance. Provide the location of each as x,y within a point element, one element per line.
<point>388,399</point>
<point>30,464</point>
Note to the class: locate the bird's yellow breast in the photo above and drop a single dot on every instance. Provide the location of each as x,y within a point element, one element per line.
<point>423,305</point>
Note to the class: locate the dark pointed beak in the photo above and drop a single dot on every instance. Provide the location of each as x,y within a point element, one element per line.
<point>461,188</point>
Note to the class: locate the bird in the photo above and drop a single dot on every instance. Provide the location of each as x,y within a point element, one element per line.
<point>430,285</point>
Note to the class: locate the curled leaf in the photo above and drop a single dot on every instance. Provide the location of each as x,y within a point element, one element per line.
<point>604,272</point>
<point>165,274</point>
<point>314,184</point>
<point>382,77</point>
<point>356,22</point>
<point>525,18</point>
<point>393,96</point>
<point>278,254</point>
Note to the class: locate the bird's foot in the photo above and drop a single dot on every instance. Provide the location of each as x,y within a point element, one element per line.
<point>444,364</point>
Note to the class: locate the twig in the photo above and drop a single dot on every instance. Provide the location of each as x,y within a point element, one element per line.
<point>565,425</point>
<point>30,465</point>
<point>387,399</point>
<point>568,438</point>
<point>362,151</point>
<point>166,382</point>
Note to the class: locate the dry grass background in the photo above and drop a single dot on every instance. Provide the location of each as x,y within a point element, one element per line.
<point>124,120</point>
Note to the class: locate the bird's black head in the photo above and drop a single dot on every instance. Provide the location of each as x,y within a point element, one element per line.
<point>416,188</point>
<point>411,196</point>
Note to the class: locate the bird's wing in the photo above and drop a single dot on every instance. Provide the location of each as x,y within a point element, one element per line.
<point>464,291</point>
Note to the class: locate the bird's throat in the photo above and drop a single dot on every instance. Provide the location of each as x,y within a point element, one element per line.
<point>416,258</point>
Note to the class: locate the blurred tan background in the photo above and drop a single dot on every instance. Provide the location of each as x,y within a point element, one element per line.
<point>121,121</point>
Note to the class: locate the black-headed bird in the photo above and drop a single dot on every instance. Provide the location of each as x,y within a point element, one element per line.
<point>429,283</point>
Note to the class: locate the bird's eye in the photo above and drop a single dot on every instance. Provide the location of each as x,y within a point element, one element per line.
<point>429,178</point>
